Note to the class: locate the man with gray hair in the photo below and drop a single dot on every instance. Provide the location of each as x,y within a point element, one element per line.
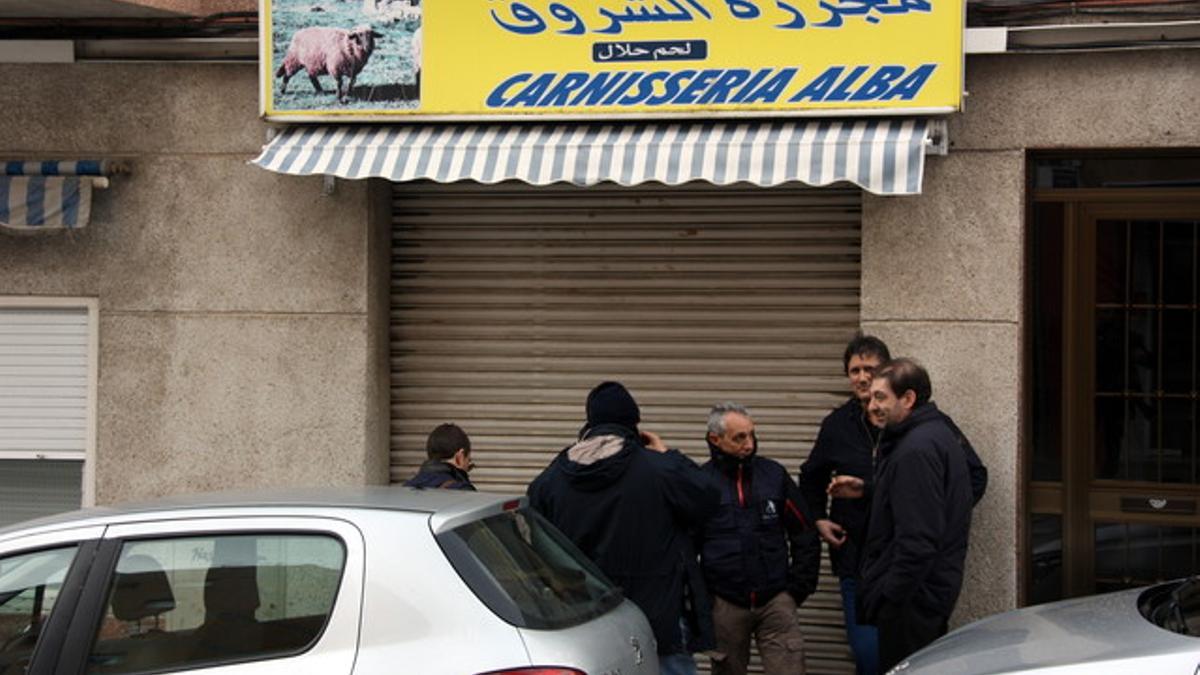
<point>759,551</point>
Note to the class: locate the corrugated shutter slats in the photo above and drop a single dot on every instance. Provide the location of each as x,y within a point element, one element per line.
<point>43,382</point>
<point>508,303</point>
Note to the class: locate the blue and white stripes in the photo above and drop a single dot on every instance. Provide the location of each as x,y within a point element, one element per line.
<point>48,194</point>
<point>80,167</point>
<point>32,203</point>
<point>883,156</point>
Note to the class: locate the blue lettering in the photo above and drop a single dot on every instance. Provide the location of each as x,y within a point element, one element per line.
<point>818,89</point>
<point>496,98</point>
<point>597,88</point>
<point>750,86</point>
<point>720,89</point>
<point>557,96</point>
<point>909,87</point>
<point>622,88</point>
<point>672,87</point>
<point>842,91</point>
<point>878,83</point>
<point>771,91</point>
<point>696,86</point>
<point>529,95</point>
<point>645,88</point>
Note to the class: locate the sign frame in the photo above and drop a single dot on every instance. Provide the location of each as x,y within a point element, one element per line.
<point>271,49</point>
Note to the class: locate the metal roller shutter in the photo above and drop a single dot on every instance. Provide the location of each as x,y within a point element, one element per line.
<point>508,303</point>
<point>46,381</point>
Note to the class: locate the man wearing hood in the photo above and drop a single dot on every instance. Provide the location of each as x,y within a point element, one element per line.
<point>760,554</point>
<point>630,505</point>
<point>921,500</point>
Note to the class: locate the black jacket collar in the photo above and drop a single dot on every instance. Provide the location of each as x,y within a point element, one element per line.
<point>438,466</point>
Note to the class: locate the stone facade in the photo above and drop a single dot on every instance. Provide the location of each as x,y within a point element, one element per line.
<point>237,345</point>
<point>943,273</point>
<point>243,315</point>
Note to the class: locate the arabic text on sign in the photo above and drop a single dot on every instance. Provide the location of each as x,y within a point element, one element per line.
<point>523,19</point>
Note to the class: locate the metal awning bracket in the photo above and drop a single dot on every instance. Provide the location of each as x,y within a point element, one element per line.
<point>937,139</point>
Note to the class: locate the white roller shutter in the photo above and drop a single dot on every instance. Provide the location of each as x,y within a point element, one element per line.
<point>46,399</point>
<point>510,302</point>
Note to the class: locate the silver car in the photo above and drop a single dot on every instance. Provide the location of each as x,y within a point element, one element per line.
<point>372,580</point>
<point>1148,631</point>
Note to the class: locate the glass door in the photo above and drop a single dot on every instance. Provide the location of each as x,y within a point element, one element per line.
<point>1115,447</point>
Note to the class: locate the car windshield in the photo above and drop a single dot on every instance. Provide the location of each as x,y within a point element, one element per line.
<point>527,572</point>
<point>1175,606</point>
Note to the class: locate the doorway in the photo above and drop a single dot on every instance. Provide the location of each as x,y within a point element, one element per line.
<point>1113,468</point>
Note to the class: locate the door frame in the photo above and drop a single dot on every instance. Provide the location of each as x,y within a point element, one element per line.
<point>1079,499</point>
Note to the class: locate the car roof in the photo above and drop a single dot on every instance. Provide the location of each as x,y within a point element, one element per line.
<point>446,504</point>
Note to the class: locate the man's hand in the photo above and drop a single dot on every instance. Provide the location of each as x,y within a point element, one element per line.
<point>831,532</point>
<point>652,441</point>
<point>846,487</point>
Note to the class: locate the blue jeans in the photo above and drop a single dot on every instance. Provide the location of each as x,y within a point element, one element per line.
<point>864,640</point>
<point>679,663</point>
<point>676,664</point>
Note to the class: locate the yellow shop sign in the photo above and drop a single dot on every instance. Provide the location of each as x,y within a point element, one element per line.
<point>470,59</point>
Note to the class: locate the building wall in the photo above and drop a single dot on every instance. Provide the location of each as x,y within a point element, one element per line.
<point>235,319</point>
<point>943,273</point>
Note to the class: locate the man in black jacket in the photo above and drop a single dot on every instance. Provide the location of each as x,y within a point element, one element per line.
<point>448,452</point>
<point>631,505</point>
<point>759,552</point>
<point>846,446</point>
<point>921,500</point>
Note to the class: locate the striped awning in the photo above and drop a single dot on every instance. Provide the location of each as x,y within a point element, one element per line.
<point>883,156</point>
<point>42,196</point>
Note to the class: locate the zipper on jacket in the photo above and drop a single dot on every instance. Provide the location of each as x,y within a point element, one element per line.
<point>875,439</point>
<point>753,599</point>
<point>741,492</point>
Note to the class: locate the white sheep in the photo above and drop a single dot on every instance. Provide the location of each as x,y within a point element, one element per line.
<point>328,51</point>
<point>393,11</point>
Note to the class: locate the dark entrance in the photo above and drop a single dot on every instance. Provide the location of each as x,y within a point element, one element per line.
<point>1113,464</point>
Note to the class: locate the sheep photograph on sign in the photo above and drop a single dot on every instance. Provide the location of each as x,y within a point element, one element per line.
<point>459,60</point>
<point>342,56</point>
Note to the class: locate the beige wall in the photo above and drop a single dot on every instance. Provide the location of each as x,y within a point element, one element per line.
<point>236,340</point>
<point>943,272</point>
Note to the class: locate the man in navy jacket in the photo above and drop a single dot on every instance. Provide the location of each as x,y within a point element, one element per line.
<point>759,551</point>
<point>631,505</point>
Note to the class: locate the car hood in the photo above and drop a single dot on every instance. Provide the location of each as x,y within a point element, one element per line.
<point>1084,630</point>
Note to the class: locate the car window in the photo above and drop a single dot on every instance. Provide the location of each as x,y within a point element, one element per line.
<point>29,588</point>
<point>1174,606</point>
<point>193,601</point>
<point>527,572</point>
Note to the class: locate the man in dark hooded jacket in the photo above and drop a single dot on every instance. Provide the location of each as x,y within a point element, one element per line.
<point>630,504</point>
<point>760,552</point>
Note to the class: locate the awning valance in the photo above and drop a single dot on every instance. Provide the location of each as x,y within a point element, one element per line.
<point>42,196</point>
<point>883,156</point>
<point>35,203</point>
